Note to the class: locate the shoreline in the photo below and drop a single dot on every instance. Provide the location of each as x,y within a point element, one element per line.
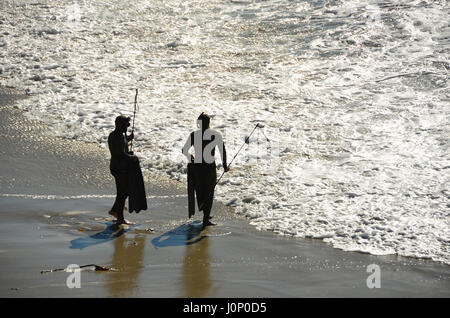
<point>165,255</point>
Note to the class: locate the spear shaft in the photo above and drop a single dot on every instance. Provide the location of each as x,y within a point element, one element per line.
<point>134,117</point>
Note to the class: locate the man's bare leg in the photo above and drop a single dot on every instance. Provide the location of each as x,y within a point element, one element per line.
<point>113,213</point>
<point>124,221</point>
<point>121,220</point>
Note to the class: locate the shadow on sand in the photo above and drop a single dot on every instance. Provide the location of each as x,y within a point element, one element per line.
<point>111,232</point>
<point>185,234</point>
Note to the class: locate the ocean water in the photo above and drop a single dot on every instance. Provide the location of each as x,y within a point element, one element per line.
<point>353,96</point>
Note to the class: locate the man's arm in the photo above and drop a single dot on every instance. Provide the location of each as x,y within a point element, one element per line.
<point>223,155</point>
<point>223,151</point>
<point>130,136</point>
<point>187,146</point>
<point>118,148</point>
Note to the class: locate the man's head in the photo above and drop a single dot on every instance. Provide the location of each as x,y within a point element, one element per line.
<point>203,120</point>
<point>122,123</point>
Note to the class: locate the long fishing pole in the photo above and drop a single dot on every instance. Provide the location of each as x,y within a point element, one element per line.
<point>134,116</point>
<point>247,139</point>
<point>245,142</point>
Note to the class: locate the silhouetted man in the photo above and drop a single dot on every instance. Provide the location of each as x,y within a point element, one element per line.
<point>202,174</point>
<point>121,165</point>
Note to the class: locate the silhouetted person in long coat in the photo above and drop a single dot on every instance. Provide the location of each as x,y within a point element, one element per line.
<point>121,165</point>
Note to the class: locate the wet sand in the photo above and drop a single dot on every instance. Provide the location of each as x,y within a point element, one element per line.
<point>54,198</point>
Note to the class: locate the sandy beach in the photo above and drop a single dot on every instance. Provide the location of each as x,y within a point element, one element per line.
<point>54,198</point>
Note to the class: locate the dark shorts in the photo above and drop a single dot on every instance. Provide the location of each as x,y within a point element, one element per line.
<point>201,181</point>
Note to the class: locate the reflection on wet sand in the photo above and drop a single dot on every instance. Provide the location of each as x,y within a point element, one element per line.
<point>196,280</point>
<point>128,259</point>
<point>195,276</point>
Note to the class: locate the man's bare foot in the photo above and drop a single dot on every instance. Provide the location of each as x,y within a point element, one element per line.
<point>207,223</point>
<point>124,221</point>
<point>114,214</point>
